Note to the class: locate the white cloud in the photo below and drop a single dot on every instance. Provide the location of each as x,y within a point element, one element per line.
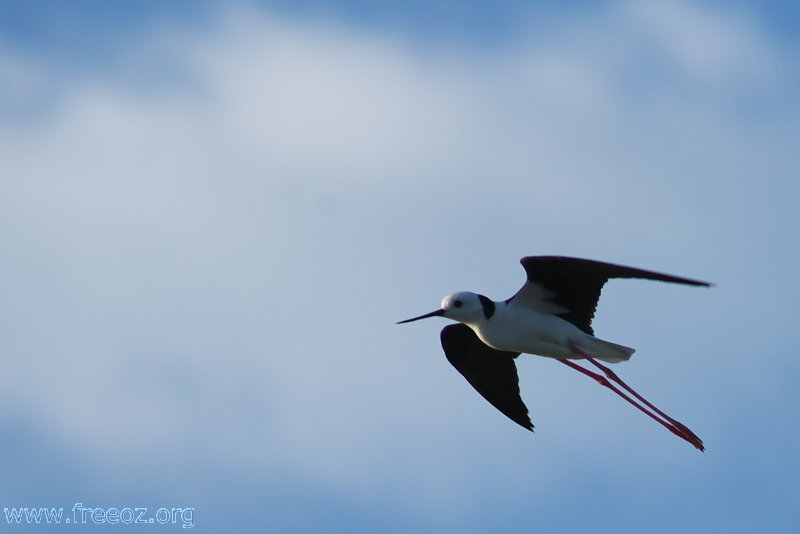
<point>710,46</point>
<point>215,266</point>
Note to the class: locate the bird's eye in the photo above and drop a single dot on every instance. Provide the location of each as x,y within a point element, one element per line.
<point>457,303</point>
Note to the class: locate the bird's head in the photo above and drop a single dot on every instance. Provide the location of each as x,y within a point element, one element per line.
<point>464,307</point>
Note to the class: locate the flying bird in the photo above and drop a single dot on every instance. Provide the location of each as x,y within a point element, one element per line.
<point>551,315</point>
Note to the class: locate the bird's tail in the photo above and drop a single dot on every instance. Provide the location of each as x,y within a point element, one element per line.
<point>605,350</point>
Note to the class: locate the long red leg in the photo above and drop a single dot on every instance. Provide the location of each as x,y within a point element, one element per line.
<point>603,381</point>
<point>687,434</point>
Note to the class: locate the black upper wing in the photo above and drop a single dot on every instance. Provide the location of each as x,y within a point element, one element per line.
<point>574,284</point>
<point>491,372</point>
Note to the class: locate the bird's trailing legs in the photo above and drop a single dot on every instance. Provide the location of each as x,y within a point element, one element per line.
<point>674,426</point>
<point>687,434</point>
<point>603,381</point>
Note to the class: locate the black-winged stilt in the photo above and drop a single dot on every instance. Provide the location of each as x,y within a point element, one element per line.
<point>551,316</point>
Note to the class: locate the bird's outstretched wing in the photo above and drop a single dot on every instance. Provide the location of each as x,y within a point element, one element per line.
<point>570,287</point>
<point>491,372</point>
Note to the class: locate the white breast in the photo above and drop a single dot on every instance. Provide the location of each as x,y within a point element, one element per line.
<point>529,331</point>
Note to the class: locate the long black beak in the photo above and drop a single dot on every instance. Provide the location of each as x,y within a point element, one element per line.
<point>431,314</point>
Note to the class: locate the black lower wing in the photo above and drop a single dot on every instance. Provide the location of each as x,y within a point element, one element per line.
<point>491,372</point>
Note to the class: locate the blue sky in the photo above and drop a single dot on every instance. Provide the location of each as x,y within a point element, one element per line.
<point>212,215</point>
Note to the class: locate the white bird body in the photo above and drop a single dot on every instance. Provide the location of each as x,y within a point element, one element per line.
<point>517,327</point>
